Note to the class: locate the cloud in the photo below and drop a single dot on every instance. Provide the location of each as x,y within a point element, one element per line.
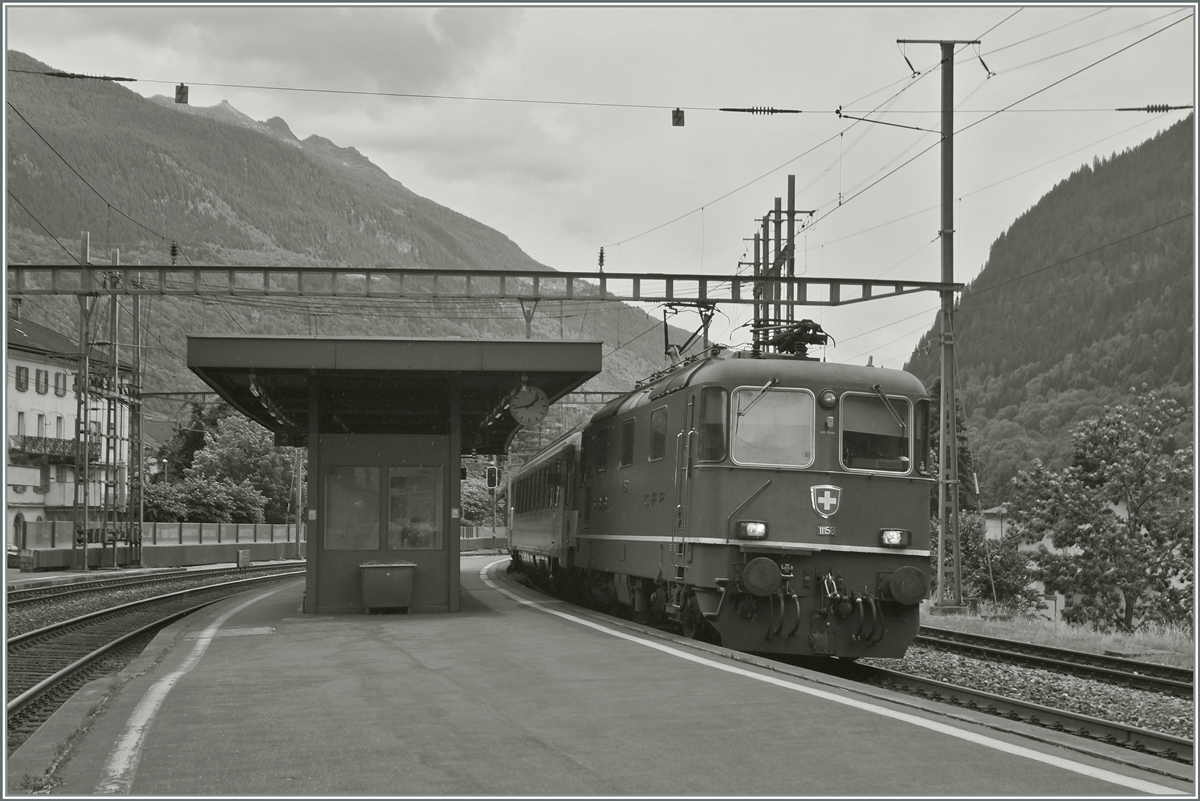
<point>421,50</point>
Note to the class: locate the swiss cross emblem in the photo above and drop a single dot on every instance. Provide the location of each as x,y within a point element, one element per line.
<point>826,499</point>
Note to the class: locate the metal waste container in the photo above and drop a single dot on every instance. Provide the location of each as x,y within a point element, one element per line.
<point>387,585</point>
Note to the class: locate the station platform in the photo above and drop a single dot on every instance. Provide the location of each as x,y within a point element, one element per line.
<point>520,695</point>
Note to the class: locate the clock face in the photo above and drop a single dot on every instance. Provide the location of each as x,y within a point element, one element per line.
<point>529,405</point>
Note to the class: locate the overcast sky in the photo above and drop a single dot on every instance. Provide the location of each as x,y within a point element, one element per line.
<point>593,160</point>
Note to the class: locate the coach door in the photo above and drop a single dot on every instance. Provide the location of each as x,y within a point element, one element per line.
<point>683,479</point>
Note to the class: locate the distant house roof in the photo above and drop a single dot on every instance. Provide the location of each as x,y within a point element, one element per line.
<point>31,337</point>
<point>158,432</point>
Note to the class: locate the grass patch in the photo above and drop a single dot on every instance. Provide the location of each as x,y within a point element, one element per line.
<point>37,785</point>
<point>1164,645</point>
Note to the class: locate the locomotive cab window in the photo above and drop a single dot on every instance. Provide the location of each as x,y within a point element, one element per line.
<point>658,434</point>
<point>713,415</point>
<point>876,433</point>
<point>601,449</point>
<point>773,426</point>
<point>627,442</point>
<point>921,432</point>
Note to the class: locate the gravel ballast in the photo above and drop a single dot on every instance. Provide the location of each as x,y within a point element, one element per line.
<point>1141,708</point>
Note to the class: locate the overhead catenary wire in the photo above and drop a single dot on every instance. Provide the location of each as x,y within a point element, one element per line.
<point>974,293</point>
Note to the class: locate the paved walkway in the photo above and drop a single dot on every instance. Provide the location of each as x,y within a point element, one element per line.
<point>515,695</point>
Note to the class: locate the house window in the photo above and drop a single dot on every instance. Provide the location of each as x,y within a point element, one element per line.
<point>60,384</point>
<point>20,423</point>
<point>42,381</point>
<point>41,425</point>
<point>58,426</point>
<point>22,379</point>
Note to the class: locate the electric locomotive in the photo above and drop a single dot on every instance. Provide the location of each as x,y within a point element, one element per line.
<point>771,503</point>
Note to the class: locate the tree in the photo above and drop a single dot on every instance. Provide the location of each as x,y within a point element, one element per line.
<point>200,499</point>
<point>1120,517</point>
<point>180,451</point>
<point>967,499</point>
<point>164,502</point>
<point>241,452</point>
<point>993,570</point>
<point>220,500</point>
<point>476,501</point>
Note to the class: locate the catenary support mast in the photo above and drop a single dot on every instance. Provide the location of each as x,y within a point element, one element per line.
<point>949,579</point>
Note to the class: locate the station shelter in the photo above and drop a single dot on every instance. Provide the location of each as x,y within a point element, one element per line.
<point>386,422</point>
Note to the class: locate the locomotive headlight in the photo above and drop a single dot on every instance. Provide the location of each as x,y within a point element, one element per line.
<point>827,399</point>
<point>751,530</point>
<point>895,537</point>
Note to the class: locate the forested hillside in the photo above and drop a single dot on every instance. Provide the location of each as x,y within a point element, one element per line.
<point>1086,297</point>
<point>141,174</point>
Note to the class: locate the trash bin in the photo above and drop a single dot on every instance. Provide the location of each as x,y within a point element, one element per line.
<point>387,584</point>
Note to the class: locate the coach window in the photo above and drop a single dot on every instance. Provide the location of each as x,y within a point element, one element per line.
<point>714,402</point>
<point>351,508</point>
<point>658,433</point>
<point>875,433</point>
<point>627,442</point>
<point>414,507</point>
<point>773,426</point>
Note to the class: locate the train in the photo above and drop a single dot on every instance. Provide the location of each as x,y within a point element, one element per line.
<point>772,503</point>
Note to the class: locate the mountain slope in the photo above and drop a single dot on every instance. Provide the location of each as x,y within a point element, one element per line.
<point>139,174</point>
<point>214,179</point>
<point>1087,296</point>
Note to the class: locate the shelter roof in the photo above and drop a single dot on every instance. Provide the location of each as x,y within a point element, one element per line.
<point>386,385</point>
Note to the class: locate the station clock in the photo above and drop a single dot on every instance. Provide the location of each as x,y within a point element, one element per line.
<point>528,405</point>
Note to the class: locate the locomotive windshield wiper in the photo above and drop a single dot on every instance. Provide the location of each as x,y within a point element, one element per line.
<point>878,390</point>
<point>758,395</point>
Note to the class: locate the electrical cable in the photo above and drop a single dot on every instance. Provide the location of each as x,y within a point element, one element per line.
<point>977,292</point>
<point>33,217</point>
<point>78,175</point>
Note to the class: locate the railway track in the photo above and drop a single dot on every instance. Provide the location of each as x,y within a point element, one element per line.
<point>20,596</point>
<point>1157,743</point>
<point>1116,670</point>
<point>47,665</point>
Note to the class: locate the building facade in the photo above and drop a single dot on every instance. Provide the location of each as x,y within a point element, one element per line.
<point>42,423</point>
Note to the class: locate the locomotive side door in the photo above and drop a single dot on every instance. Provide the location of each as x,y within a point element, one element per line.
<point>683,477</point>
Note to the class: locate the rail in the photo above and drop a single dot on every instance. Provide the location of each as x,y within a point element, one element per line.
<point>1117,670</point>
<point>46,665</point>
<point>1160,744</point>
